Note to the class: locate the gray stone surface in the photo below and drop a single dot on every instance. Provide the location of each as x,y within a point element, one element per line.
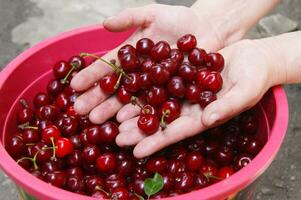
<point>25,22</point>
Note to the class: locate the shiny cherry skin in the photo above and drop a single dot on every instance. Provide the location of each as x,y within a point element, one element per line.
<point>26,114</point>
<point>201,181</point>
<point>138,186</point>
<point>225,172</point>
<point>197,145</point>
<point>211,147</point>
<point>183,181</point>
<point>54,87</point>
<point>131,82</point>
<point>144,46</point>
<point>30,135</point>
<point>186,43</point>
<point>75,159</point>
<point>106,163</point>
<point>206,97</point>
<point>147,64</point>
<point>160,51</point>
<point>61,69</point>
<point>108,83</point>
<point>248,124</point>
<point>64,147</point>
<point>176,87</point>
<point>156,164</point>
<point>92,183</point>
<point>56,178</point>
<point>124,96</point>
<point>171,109</point>
<point>129,62</point>
<point>208,169</point>
<point>145,80</point>
<point>155,96</point>
<point>43,154</point>
<point>68,125</point>
<point>84,122</point>
<point>213,82</point>
<point>178,152</point>
<point>41,99</point>
<point>90,153</point>
<point>224,155</point>
<point>254,146</point>
<point>192,92</point>
<point>93,134</point>
<point>197,57</point>
<point>159,75</point>
<point>140,172</point>
<point>170,65</point>
<point>78,62</point>
<point>114,181</point>
<point>177,56</point>
<point>194,160</point>
<point>148,110</point>
<point>187,72</point>
<point>120,194</point>
<point>215,62</point>
<point>72,113</point>
<point>176,166</point>
<point>15,146</point>
<point>126,49</point>
<point>125,167</point>
<point>51,132</point>
<point>148,123</point>
<point>62,101</point>
<point>168,181</point>
<point>49,112</point>
<point>242,160</point>
<point>74,183</point>
<point>108,132</point>
<point>243,141</point>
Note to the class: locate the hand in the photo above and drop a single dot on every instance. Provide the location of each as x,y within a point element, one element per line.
<point>158,22</point>
<point>249,72</point>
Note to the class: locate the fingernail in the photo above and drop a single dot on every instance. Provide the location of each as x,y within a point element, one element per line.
<point>213,118</point>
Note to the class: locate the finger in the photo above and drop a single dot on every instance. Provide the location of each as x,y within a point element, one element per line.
<point>238,99</point>
<point>127,112</point>
<point>129,18</point>
<point>173,133</point>
<point>128,125</point>
<point>88,100</point>
<point>105,110</point>
<point>129,138</point>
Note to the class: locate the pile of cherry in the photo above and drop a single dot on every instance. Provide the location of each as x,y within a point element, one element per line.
<point>62,148</point>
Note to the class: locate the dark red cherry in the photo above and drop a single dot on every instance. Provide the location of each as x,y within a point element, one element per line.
<point>213,82</point>
<point>140,172</point>
<point>124,96</point>
<point>160,51</point>
<point>129,62</point>
<point>178,152</point>
<point>177,56</point>
<point>186,43</point>
<point>148,123</point>
<point>206,97</point>
<point>68,125</point>
<point>194,160</point>
<point>138,186</point>
<point>168,181</point>
<point>209,168</point>
<point>106,163</point>
<point>147,64</point>
<point>197,57</point>
<point>254,146</point>
<point>159,75</point>
<point>26,114</point>
<point>171,109</point>
<point>114,181</point>
<point>248,124</point>
<point>201,181</point>
<point>120,193</point>
<point>192,93</point>
<point>50,134</point>
<point>211,147</point>
<point>145,80</point>
<point>25,163</point>
<point>144,46</point>
<point>224,155</point>
<point>108,83</point>
<point>41,99</point>
<point>175,166</point>
<point>243,141</point>
<point>43,154</point>
<point>49,112</point>
<point>108,132</point>
<point>75,159</point>
<point>84,122</point>
<point>54,87</point>
<point>170,65</point>
<point>187,72</point>
<point>30,135</point>
<point>183,181</point>
<point>125,167</point>
<point>15,146</point>
<point>126,49</point>
<point>92,183</point>
<point>197,145</point>
<point>74,183</point>
<point>242,160</point>
<point>225,172</point>
<point>62,101</point>
<point>90,153</point>
<point>131,82</point>
<point>56,178</point>
<point>215,62</point>
<point>93,134</point>
<point>176,87</point>
<point>155,96</point>
<point>78,62</point>
<point>156,164</point>
<point>61,69</point>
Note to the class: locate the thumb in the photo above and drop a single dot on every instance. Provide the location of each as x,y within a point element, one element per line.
<point>129,18</point>
<point>239,98</point>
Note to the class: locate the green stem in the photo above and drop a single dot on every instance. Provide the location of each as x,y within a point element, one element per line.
<point>100,58</point>
<point>162,122</point>
<point>34,160</point>
<point>118,82</point>
<point>68,74</point>
<point>53,148</point>
<point>27,126</point>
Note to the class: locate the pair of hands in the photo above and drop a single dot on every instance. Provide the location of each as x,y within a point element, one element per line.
<point>246,76</point>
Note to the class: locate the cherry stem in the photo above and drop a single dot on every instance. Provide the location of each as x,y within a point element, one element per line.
<point>30,144</point>
<point>23,103</point>
<point>27,126</point>
<point>162,122</point>
<point>53,148</point>
<point>135,102</point>
<point>118,82</point>
<point>98,188</point>
<point>68,74</point>
<point>208,176</point>
<point>139,196</point>
<point>34,160</point>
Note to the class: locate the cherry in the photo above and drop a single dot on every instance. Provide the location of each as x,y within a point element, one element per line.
<point>145,80</point>
<point>108,83</point>
<point>125,167</point>
<point>131,82</point>
<point>123,95</point>
<point>197,145</point>
<point>201,181</point>
<point>120,194</point>
<point>147,64</point>
<point>232,129</point>
<point>108,132</point>
<point>225,172</point>
<point>177,56</point>
<point>192,93</point>
<point>160,195</point>
<point>56,178</point>
<point>215,62</point>
<point>148,123</point>
<point>242,160</point>
<point>36,173</point>
<point>114,181</point>
<point>156,164</point>
<point>50,134</point>
<point>183,181</point>
<point>206,97</point>
<point>211,147</point>
<point>197,56</point>
<point>194,161</point>
<point>75,158</point>
<point>170,65</point>
<point>254,146</point>
<point>140,172</point>
<point>106,163</point>
<point>92,183</point>
<point>84,122</point>
<point>160,51</point>
<point>144,46</point>
<point>138,186</point>
<point>170,110</point>
<point>68,125</point>
<point>187,72</point>
<point>248,124</point>
<point>201,75</point>
<point>61,69</point>
<point>126,49</point>
<point>209,169</point>
<point>77,62</point>
<point>71,112</point>
<point>41,151</point>
<point>178,152</point>
<point>89,168</point>
<point>15,146</point>
<point>51,166</point>
<point>156,95</point>
<point>25,164</point>
<point>93,134</point>
<point>26,114</point>
<point>30,136</point>
<point>176,87</point>
<point>41,99</point>
<point>168,181</point>
<point>62,101</point>
<point>100,195</point>
<point>75,172</point>
<point>64,147</point>
<point>243,141</point>
<point>74,183</point>
<point>224,155</point>
<point>129,62</point>
<point>54,87</point>
<point>230,140</point>
<point>90,153</point>
<point>187,42</point>
<point>148,110</point>
<point>49,112</point>
<point>212,81</point>
<point>159,74</point>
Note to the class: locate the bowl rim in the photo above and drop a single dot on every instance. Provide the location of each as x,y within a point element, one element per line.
<point>226,187</point>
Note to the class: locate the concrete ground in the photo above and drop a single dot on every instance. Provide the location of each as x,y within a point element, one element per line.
<point>26,22</point>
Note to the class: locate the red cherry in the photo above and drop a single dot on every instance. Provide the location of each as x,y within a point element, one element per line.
<point>75,159</point>
<point>183,181</point>
<point>74,183</point>
<point>106,163</point>
<point>41,99</point>
<point>62,101</point>
<point>175,166</point>
<point>93,183</point>
<point>209,169</point>
<point>93,134</point>
<point>176,87</point>
<point>129,62</point>
<point>43,153</point>
<point>145,80</point>
<point>170,65</point>
<point>156,164</point>
<point>126,167</point>
<point>49,112</point>
<point>225,172</point>
<point>61,69</point>
<point>68,125</point>
<point>30,135</point>
<point>159,75</point>
<point>90,153</point>
<point>78,62</point>
<point>254,146</point>
<point>147,64</point>
<point>123,95</point>
<point>148,123</point>
<point>194,161</point>
<point>126,49</point>
<point>171,110</point>
<point>54,87</point>
<point>186,42</point>
<point>187,72</point>
<point>156,95</point>
<point>120,194</point>
<point>15,146</point>
<point>131,82</point>
<point>63,147</point>
<point>248,124</point>
<point>168,181</point>
<point>148,110</point>
<point>56,178</point>
<point>160,51</point>
<point>108,83</point>
<point>206,97</point>
<point>192,93</point>
<point>108,132</point>
<point>49,132</point>
<point>138,186</point>
<point>197,57</point>
<point>201,181</point>
<point>26,114</point>
<point>215,62</point>
<point>213,81</point>
<point>114,181</point>
<point>224,155</point>
<point>177,56</point>
<point>144,46</point>
<point>71,112</point>
<point>242,160</point>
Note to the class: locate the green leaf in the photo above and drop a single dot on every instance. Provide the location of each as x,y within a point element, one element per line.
<point>139,196</point>
<point>153,185</point>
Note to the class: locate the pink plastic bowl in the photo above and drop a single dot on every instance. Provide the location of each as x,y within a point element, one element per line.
<point>31,70</point>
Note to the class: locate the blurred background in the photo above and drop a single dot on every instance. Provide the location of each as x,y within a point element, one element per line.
<point>23,23</point>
